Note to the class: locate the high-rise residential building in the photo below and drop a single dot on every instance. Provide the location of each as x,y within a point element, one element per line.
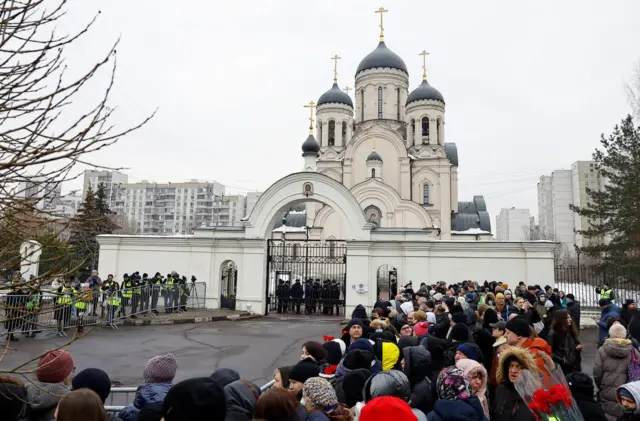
<point>68,205</point>
<point>110,180</point>
<point>169,208</point>
<point>252,198</point>
<point>45,193</point>
<point>556,193</point>
<point>513,225</point>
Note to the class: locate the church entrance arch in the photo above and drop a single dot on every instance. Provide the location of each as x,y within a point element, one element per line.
<point>306,276</point>
<point>387,282</point>
<point>228,284</point>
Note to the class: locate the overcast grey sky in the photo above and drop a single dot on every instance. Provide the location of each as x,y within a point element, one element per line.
<point>529,86</point>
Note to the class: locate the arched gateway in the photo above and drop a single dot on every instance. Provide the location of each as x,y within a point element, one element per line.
<point>303,275</point>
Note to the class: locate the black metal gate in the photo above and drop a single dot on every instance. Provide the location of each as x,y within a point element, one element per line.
<point>306,276</point>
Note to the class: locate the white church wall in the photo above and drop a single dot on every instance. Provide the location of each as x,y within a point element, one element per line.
<point>390,164</point>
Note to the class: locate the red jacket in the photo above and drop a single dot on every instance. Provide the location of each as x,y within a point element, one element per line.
<point>541,350</point>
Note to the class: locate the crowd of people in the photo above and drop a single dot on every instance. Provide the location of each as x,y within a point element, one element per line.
<point>440,353</point>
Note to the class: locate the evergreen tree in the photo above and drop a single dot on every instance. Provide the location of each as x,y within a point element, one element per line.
<point>84,229</point>
<point>106,224</point>
<point>614,210</point>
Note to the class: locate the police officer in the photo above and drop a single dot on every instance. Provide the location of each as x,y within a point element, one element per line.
<point>126,293</point>
<point>83,296</point>
<point>32,308</point>
<point>605,292</point>
<point>113,304</point>
<point>155,284</point>
<point>64,302</point>
<point>296,295</point>
<point>167,290</point>
<point>105,288</point>
<point>136,293</point>
<point>280,295</point>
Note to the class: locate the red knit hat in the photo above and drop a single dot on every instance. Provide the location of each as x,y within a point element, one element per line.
<point>55,366</point>
<point>387,408</point>
<point>421,329</point>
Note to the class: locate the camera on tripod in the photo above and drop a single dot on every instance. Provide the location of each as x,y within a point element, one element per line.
<point>193,278</point>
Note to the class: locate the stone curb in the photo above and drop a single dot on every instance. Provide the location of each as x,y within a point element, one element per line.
<point>155,321</point>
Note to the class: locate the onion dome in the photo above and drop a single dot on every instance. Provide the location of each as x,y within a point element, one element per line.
<point>310,145</point>
<point>374,156</point>
<point>425,91</point>
<point>382,57</point>
<point>335,95</point>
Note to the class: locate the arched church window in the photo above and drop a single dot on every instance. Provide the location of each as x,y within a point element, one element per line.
<point>425,130</point>
<point>379,102</point>
<point>373,173</point>
<point>332,132</point>
<point>439,127</point>
<point>344,133</point>
<point>361,105</point>
<point>425,194</point>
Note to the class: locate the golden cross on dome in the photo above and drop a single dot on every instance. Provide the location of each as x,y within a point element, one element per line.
<point>424,55</point>
<point>311,106</point>
<point>382,11</point>
<point>335,59</point>
<point>347,89</point>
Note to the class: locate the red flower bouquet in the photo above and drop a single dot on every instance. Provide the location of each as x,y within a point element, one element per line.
<point>554,403</point>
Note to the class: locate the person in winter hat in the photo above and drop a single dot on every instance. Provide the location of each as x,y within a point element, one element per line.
<point>470,351</point>
<point>352,386</point>
<point>158,375</point>
<point>507,403</point>
<point>334,355</point>
<point>610,369</point>
<point>321,402</point>
<point>96,380</point>
<point>225,376</point>
<point>197,399</point>
<point>387,408</point>
<point>353,331</point>
<point>416,364</point>
<point>582,389</point>
<point>476,375</point>
<point>53,375</point>
<point>387,383</point>
<point>160,369</point>
<point>628,396</point>
<point>421,329</point>
<point>242,397</point>
<point>300,373</point>
<point>13,399</point>
<point>354,360</point>
<point>456,401</point>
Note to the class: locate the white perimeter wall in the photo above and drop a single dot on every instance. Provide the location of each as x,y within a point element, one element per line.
<point>415,259</point>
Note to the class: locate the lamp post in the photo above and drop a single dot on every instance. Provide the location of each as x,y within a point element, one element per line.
<point>306,254</point>
<point>578,251</point>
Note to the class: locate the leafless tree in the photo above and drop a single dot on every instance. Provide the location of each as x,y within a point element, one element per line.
<point>633,93</point>
<point>43,133</point>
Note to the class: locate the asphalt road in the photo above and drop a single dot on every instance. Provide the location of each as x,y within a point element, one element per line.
<point>254,347</point>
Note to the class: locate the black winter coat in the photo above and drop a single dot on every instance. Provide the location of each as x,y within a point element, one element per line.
<point>591,411</point>
<point>417,367</point>
<point>436,348</point>
<point>508,405</point>
<point>564,352</point>
<point>485,342</point>
<point>574,311</point>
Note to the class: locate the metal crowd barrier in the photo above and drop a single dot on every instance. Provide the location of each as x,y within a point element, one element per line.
<point>120,397</point>
<point>55,313</point>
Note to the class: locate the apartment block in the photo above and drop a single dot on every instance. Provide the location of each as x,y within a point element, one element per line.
<point>559,190</point>
<point>513,225</point>
<point>110,179</point>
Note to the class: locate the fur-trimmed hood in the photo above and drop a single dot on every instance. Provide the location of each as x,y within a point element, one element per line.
<point>522,355</point>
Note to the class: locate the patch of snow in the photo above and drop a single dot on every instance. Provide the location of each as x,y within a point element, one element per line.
<point>472,231</point>
<point>295,212</point>
<point>289,229</point>
<point>412,157</point>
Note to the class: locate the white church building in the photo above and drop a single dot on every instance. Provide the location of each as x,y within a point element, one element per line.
<point>377,199</point>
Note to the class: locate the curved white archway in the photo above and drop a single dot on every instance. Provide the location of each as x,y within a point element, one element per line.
<point>292,189</point>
